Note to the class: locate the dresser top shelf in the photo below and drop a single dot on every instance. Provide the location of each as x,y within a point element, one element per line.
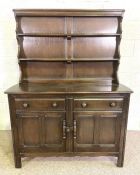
<point>69,12</point>
<point>66,88</point>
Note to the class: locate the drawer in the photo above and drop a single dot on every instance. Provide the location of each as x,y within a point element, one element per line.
<point>110,104</point>
<point>39,104</point>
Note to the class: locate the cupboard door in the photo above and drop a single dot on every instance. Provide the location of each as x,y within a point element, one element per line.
<point>29,127</point>
<point>45,131</point>
<point>54,131</point>
<point>96,131</point>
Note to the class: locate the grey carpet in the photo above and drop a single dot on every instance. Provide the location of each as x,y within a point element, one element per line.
<point>71,165</point>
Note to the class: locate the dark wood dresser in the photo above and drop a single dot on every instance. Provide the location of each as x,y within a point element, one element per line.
<point>69,101</point>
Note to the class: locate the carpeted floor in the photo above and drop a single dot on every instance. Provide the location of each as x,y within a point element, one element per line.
<point>72,165</point>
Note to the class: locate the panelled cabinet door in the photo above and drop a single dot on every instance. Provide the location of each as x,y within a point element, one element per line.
<point>96,131</point>
<point>42,131</point>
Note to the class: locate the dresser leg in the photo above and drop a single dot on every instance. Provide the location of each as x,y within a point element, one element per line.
<point>17,162</point>
<point>120,161</point>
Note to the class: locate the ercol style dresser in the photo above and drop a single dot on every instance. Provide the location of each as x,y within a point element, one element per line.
<point>69,101</point>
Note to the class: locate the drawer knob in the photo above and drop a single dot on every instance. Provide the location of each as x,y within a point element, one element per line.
<point>112,104</point>
<point>54,105</point>
<point>25,105</point>
<point>84,105</point>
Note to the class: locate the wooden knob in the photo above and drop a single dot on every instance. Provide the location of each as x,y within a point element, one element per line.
<point>84,105</point>
<point>25,105</point>
<point>54,105</point>
<point>112,104</point>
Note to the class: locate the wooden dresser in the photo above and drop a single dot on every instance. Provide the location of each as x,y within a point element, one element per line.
<point>69,101</point>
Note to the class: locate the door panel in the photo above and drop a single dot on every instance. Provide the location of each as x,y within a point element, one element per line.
<point>29,126</point>
<point>107,130</point>
<point>85,129</point>
<point>53,131</point>
<point>97,131</point>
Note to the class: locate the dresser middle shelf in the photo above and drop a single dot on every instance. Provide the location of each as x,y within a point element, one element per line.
<point>68,59</point>
<point>68,35</point>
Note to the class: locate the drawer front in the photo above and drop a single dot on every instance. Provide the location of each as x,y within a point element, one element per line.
<point>110,104</point>
<point>39,104</point>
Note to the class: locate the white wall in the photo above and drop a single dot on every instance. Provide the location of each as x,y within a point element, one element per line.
<point>129,72</point>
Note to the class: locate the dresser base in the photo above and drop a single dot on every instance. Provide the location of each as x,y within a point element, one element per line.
<point>18,159</point>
